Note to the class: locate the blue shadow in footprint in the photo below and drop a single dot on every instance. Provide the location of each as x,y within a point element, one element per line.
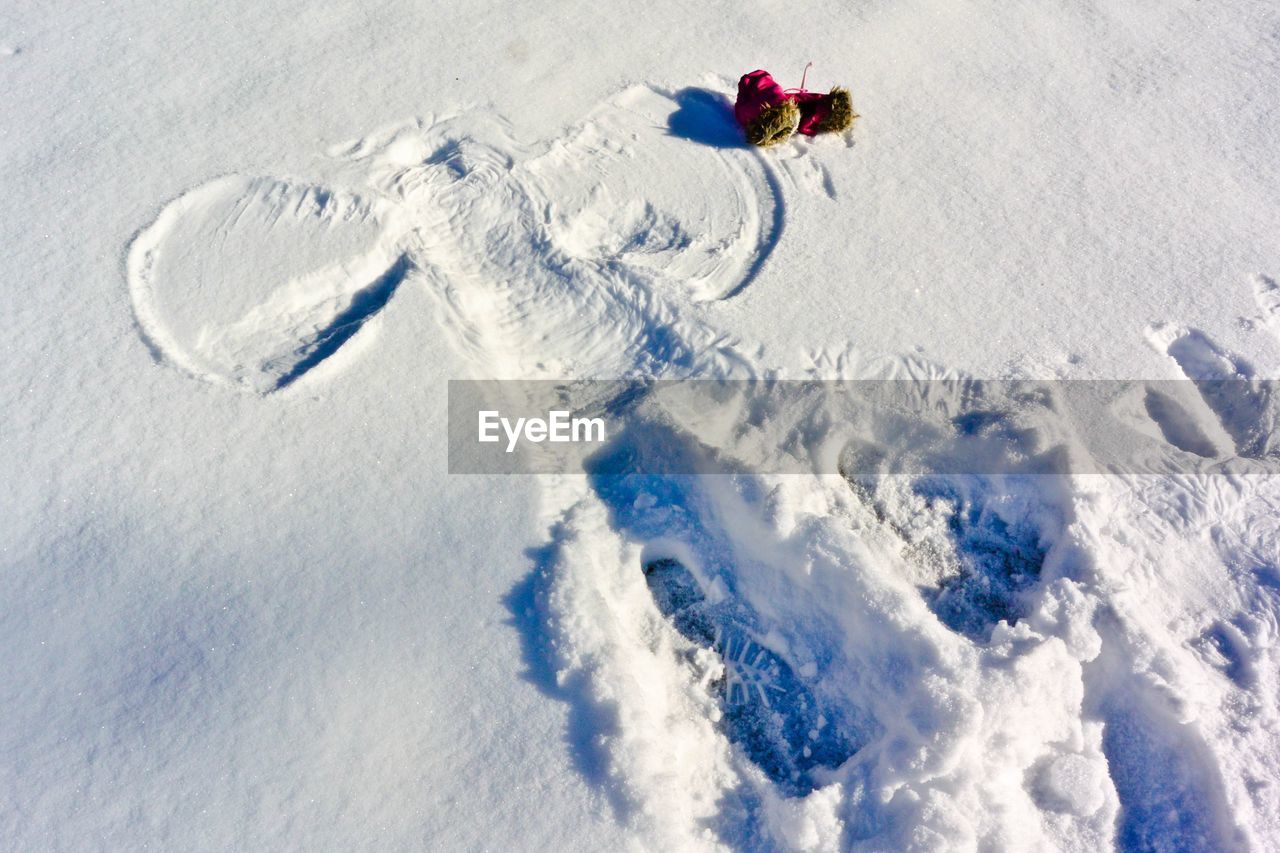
<point>779,719</point>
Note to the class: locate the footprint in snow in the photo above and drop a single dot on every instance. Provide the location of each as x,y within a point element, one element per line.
<point>1266,293</point>
<point>768,710</point>
<point>976,546</point>
<point>778,698</point>
<point>971,513</point>
<point>1244,405</point>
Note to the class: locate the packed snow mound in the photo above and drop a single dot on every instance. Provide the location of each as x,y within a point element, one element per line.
<point>944,641</point>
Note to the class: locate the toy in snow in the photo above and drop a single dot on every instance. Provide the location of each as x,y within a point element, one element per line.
<point>770,114</point>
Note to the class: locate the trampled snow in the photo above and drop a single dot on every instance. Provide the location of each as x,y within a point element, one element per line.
<point>244,604</point>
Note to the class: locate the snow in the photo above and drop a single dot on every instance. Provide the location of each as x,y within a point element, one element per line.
<point>246,604</point>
